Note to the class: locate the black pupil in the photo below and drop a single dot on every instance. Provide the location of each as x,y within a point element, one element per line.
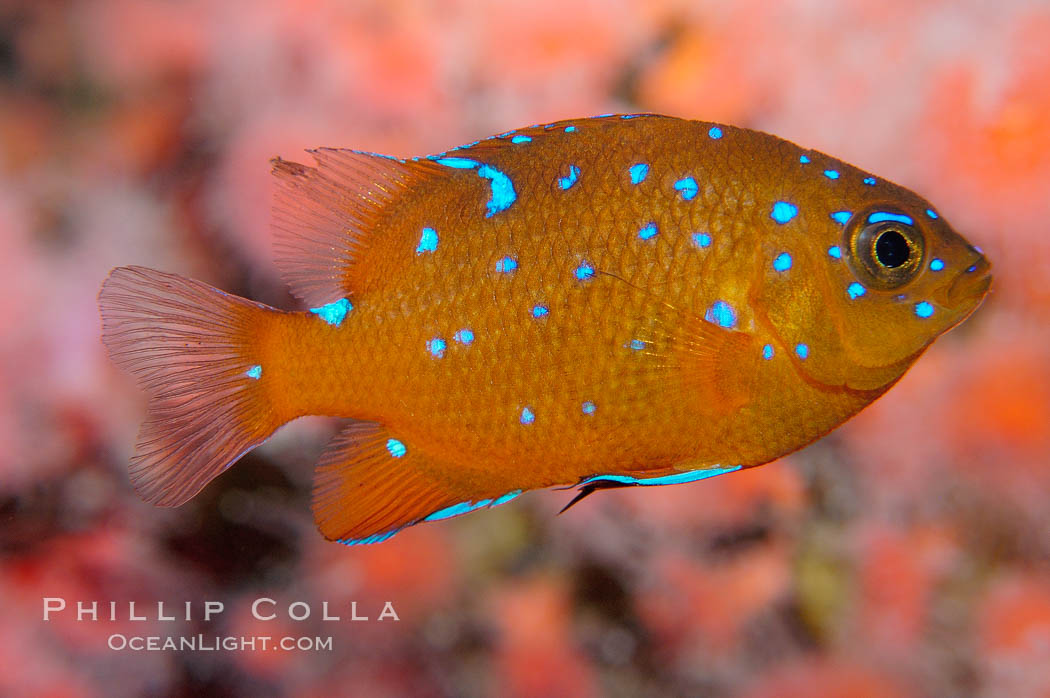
<point>891,249</point>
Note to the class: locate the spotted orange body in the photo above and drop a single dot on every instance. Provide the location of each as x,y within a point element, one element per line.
<point>623,300</point>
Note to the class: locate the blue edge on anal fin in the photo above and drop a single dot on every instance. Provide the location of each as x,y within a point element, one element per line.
<point>467,507</point>
<point>440,514</point>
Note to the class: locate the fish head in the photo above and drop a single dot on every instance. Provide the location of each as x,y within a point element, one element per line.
<point>890,276</point>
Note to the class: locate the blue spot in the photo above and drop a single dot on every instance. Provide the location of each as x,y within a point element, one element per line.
<point>701,239</point>
<point>584,271</point>
<point>255,372</point>
<point>374,538</point>
<point>648,231</point>
<point>639,172</point>
<point>886,216</point>
<point>686,186</point>
<point>714,132</point>
<point>721,313</point>
<point>782,262</point>
<point>783,212</point>
<point>931,214</point>
<point>855,290</point>
<point>767,352</point>
<point>972,268</point>
<point>333,313</point>
<point>570,179</point>
<point>835,251</point>
<point>570,129</point>
<point>936,265</point>
<point>802,350</point>
<point>637,344</point>
<point>539,310</point>
<point>831,174</point>
<point>502,189</point>
<point>588,407</point>
<point>870,181</point>
<point>527,417</point>
<point>804,159</point>
<point>842,216</point>
<point>676,479</point>
<point>923,309</point>
<point>464,336</point>
<point>396,448</point>
<point>521,139</point>
<point>436,347</point>
<point>507,264</point>
<point>457,163</point>
<point>428,241</point>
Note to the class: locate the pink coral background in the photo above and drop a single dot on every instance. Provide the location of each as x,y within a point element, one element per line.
<point>907,554</point>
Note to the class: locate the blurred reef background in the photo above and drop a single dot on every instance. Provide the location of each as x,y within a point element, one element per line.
<point>907,554</point>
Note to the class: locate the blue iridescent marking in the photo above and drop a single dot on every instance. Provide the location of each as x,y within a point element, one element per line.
<point>527,416</point>
<point>783,212</point>
<point>502,189</point>
<point>629,116</point>
<point>570,129</point>
<point>841,216</point>
<point>436,347</point>
<point>505,498</point>
<point>507,264</point>
<point>458,163</point>
<point>396,448</point>
<point>881,216</point>
<point>637,344</point>
<point>714,132</point>
<point>374,538</point>
<point>584,271</point>
<point>638,172</point>
<point>521,139</point>
<point>923,309</point>
<point>767,352</point>
<point>254,372</point>
<point>464,336</point>
<point>335,312</point>
<point>648,231</point>
<point>931,214</point>
<point>835,251</point>
<point>588,407</point>
<point>802,350</point>
<point>782,262</point>
<point>972,267</point>
<point>804,159</point>
<point>539,310</point>
<point>701,239</point>
<point>676,479</point>
<point>457,510</point>
<point>570,179</point>
<point>870,181</point>
<point>936,264</point>
<point>721,313</point>
<point>428,241</point>
<point>855,290</point>
<point>686,186</point>
<point>831,174</point>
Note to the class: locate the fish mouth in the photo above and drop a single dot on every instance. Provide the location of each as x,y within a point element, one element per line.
<point>969,286</point>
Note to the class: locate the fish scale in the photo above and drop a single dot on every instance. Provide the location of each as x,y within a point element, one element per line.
<point>615,301</point>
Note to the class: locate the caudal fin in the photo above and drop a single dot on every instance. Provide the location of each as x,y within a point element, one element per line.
<point>194,350</point>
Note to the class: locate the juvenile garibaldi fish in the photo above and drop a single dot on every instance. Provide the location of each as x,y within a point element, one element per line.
<point>615,301</point>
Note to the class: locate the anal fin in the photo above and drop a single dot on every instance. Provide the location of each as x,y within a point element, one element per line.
<point>369,485</point>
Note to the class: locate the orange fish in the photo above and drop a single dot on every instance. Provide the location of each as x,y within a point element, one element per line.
<point>615,301</point>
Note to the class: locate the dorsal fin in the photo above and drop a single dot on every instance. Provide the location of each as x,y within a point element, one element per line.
<point>323,216</point>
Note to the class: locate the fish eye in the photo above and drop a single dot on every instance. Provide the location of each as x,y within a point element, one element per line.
<point>886,249</point>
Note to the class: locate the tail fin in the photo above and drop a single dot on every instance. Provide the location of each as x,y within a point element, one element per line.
<point>192,348</point>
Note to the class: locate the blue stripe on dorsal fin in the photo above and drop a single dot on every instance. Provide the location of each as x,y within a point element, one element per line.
<point>673,479</point>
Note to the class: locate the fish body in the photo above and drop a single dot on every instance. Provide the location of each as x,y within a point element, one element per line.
<point>621,300</point>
